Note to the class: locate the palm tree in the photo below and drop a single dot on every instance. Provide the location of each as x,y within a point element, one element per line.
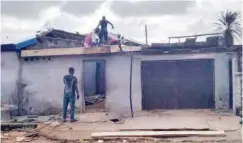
<point>229,24</point>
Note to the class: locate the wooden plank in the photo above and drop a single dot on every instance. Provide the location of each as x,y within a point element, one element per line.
<point>64,51</point>
<point>164,129</point>
<point>76,51</point>
<point>157,134</point>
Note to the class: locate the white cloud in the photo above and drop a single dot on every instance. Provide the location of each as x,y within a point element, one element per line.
<point>15,29</point>
<point>198,19</point>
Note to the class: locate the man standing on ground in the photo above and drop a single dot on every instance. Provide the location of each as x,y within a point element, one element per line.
<point>103,31</point>
<point>70,83</point>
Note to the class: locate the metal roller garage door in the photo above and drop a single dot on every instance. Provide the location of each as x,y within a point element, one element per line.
<point>180,84</point>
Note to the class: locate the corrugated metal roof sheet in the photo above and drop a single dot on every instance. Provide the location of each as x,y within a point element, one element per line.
<point>26,43</point>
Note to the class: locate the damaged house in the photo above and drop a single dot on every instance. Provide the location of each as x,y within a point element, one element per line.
<point>188,75</point>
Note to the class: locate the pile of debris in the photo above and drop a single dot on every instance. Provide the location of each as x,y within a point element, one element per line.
<point>91,100</point>
<point>6,111</point>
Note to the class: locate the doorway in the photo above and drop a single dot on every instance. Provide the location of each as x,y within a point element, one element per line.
<point>230,85</point>
<point>94,85</point>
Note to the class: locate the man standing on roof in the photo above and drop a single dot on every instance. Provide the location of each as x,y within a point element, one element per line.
<point>103,31</point>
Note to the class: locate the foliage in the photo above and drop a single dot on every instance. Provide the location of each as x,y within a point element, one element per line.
<point>229,23</point>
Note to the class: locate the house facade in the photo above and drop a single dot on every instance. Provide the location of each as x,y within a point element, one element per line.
<point>199,78</point>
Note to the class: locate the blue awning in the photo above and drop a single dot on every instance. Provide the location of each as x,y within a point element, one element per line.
<point>26,43</point>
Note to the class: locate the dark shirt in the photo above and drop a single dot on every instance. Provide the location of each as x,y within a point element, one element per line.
<point>103,25</point>
<point>70,83</point>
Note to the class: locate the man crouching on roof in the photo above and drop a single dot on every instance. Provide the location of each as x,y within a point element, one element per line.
<point>95,38</point>
<point>70,83</point>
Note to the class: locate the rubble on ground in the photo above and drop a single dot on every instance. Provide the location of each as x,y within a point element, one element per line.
<point>91,100</point>
<point>49,129</point>
<point>6,110</point>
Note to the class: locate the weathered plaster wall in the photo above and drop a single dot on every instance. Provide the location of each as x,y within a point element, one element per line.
<point>237,84</point>
<point>43,78</point>
<point>117,84</point>
<point>9,77</point>
<point>43,93</point>
<point>118,79</point>
<point>237,91</point>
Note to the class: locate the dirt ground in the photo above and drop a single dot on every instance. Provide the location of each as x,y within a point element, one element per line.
<point>56,132</point>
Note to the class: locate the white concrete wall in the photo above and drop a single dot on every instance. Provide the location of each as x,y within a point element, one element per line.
<point>9,76</point>
<point>237,91</point>
<point>221,77</point>
<point>237,84</point>
<point>117,84</point>
<point>44,78</point>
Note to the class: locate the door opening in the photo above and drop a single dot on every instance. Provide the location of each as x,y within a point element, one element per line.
<point>94,85</point>
<point>230,85</point>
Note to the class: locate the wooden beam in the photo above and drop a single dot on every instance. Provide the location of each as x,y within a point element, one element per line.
<point>76,51</point>
<point>165,129</point>
<point>157,134</point>
<point>10,126</point>
<point>63,51</point>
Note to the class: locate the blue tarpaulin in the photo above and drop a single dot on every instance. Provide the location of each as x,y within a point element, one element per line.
<point>26,43</point>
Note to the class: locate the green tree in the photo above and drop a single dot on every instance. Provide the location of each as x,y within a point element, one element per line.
<point>229,24</point>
